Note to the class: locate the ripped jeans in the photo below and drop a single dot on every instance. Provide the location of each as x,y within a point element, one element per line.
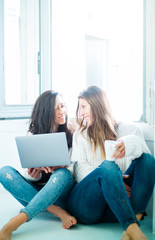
<point>101,195</point>
<point>35,198</point>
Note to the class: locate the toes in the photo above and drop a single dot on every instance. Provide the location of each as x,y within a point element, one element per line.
<point>69,223</point>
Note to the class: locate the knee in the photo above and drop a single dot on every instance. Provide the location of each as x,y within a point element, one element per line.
<point>5,169</point>
<point>148,162</point>
<point>110,169</point>
<point>6,172</point>
<point>62,174</point>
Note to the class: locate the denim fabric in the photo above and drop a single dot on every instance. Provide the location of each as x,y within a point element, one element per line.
<point>101,196</point>
<point>37,198</point>
<point>141,181</point>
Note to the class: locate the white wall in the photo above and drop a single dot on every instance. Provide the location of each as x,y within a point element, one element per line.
<point>8,151</point>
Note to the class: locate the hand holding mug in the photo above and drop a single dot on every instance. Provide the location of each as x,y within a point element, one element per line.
<point>120,150</point>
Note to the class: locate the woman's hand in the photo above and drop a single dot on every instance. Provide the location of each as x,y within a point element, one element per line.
<point>34,172</point>
<point>50,169</point>
<point>120,150</point>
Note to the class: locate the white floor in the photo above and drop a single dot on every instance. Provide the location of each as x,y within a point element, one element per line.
<point>45,225</point>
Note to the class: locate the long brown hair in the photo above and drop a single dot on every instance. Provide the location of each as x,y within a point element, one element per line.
<point>104,125</point>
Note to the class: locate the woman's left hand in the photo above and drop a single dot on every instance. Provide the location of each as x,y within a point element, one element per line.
<point>120,150</point>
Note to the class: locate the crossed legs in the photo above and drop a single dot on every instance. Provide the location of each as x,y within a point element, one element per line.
<point>36,201</point>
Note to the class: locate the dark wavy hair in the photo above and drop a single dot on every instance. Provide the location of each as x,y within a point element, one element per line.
<point>43,117</point>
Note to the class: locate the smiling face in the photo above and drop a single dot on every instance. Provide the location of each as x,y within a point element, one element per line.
<point>60,111</point>
<point>85,111</point>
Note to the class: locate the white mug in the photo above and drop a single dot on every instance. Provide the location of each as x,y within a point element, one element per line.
<point>110,149</point>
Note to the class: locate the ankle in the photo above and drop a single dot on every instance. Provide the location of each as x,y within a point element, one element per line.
<point>139,216</point>
<point>16,221</point>
<point>125,236</point>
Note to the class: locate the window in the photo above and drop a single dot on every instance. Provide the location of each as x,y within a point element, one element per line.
<point>20,39</point>
<point>98,42</point>
<point>69,45</point>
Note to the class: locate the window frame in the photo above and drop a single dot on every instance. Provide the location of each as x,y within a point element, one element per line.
<point>149,61</point>
<point>8,111</point>
<point>44,57</point>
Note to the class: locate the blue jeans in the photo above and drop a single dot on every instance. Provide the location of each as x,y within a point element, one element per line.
<point>35,198</point>
<point>101,195</point>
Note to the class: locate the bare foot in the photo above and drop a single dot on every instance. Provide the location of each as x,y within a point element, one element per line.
<point>5,234</point>
<point>12,225</point>
<point>125,236</point>
<point>134,232</point>
<point>67,220</point>
<point>6,231</point>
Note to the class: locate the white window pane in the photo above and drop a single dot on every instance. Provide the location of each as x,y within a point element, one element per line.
<point>99,42</point>
<point>21,38</point>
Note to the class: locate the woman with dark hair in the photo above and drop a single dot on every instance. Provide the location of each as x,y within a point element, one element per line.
<point>102,192</point>
<point>44,188</point>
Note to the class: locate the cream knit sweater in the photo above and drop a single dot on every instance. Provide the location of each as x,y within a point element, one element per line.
<point>86,160</point>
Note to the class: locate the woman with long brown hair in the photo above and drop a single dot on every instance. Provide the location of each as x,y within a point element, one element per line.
<point>109,189</point>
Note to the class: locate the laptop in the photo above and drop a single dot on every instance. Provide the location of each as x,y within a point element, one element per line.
<point>43,150</point>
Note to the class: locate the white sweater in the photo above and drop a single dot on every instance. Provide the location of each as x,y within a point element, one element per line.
<point>86,160</point>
